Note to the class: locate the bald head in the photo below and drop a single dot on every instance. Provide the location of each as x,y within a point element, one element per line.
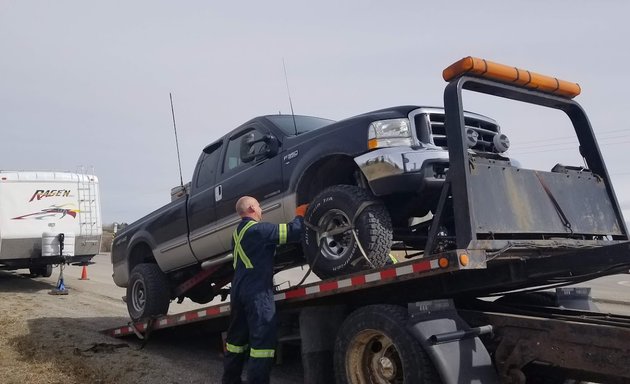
<point>247,206</point>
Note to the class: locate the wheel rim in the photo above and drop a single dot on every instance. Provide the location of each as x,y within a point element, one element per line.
<point>138,296</point>
<point>337,246</point>
<point>372,357</point>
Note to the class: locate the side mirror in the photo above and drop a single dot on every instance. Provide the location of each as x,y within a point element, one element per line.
<point>248,151</point>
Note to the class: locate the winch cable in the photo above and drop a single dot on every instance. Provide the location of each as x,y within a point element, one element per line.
<point>147,331</point>
<point>338,231</point>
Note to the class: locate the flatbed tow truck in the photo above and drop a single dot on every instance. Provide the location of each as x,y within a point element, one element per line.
<point>429,319</point>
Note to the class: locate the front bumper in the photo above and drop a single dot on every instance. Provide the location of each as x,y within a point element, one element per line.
<point>403,169</point>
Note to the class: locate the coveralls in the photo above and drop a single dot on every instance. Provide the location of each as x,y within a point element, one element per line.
<point>253,311</point>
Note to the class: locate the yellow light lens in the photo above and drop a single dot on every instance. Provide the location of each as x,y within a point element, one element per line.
<point>372,143</point>
<point>463,259</point>
<point>443,262</point>
<point>474,66</point>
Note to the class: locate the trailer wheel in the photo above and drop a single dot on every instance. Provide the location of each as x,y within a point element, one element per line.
<point>147,292</point>
<point>337,254</point>
<point>374,346</point>
<point>43,271</point>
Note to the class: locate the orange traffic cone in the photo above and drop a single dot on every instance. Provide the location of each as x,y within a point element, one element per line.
<point>84,273</point>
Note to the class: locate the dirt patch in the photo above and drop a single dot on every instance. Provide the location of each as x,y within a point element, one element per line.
<point>56,339</point>
<point>48,339</point>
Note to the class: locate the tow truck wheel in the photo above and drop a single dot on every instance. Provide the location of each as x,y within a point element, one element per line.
<point>148,292</point>
<point>329,249</point>
<point>373,346</point>
<point>43,271</point>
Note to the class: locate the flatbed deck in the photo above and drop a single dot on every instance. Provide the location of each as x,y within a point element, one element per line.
<point>440,276</point>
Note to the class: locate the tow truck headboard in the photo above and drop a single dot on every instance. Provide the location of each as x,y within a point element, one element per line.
<point>494,201</point>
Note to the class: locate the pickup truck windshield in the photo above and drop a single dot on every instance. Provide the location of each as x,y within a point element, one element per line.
<point>303,123</point>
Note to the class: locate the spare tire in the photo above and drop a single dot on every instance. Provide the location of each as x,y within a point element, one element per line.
<point>333,253</point>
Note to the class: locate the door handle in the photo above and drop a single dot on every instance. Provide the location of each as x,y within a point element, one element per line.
<point>218,193</point>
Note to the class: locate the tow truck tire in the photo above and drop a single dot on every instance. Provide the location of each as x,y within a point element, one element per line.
<point>43,271</point>
<point>374,346</point>
<point>147,292</point>
<point>339,254</point>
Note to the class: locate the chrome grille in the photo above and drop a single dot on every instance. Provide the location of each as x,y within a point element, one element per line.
<point>486,130</point>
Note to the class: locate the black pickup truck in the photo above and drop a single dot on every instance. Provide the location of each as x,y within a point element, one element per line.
<point>380,173</point>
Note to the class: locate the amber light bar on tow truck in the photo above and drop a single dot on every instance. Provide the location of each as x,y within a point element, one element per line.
<point>474,66</point>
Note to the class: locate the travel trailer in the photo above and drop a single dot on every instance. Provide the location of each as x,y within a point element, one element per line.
<point>60,210</point>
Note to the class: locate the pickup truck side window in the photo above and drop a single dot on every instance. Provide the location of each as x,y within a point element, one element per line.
<point>233,154</point>
<point>208,166</point>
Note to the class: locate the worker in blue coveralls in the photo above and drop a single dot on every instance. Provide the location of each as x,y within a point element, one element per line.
<point>252,328</point>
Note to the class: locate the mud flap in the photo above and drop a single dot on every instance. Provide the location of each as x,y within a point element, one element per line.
<point>455,349</point>
<point>576,298</point>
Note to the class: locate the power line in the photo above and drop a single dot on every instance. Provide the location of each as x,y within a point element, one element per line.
<point>572,140</point>
<point>572,136</point>
<point>517,150</point>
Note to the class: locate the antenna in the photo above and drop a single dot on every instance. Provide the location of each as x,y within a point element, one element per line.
<point>286,80</point>
<point>179,161</point>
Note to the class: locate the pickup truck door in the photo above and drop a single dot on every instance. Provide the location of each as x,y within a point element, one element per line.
<point>204,239</point>
<point>170,232</point>
<point>260,178</point>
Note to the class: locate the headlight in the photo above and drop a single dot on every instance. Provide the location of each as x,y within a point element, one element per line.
<point>389,133</point>
<point>501,142</point>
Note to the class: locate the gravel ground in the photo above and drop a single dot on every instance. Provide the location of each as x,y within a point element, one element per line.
<point>56,339</point>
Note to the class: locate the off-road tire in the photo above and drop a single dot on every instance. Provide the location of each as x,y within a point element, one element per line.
<point>43,271</point>
<point>148,292</point>
<point>364,332</point>
<point>373,227</point>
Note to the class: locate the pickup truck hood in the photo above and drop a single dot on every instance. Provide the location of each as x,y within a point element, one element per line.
<point>358,124</point>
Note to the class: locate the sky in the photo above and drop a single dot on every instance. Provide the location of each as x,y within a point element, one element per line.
<point>86,84</point>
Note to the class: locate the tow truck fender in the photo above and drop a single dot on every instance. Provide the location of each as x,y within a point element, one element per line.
<point>457,354</point>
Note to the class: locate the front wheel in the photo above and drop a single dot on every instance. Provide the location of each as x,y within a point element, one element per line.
<point>148,292</point>
<point>373,346</point>
<point>330,246</point>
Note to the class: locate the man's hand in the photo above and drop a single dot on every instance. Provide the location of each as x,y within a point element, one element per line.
<point>301,210</point>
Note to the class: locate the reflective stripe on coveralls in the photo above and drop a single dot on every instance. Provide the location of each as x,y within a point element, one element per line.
<point>262,353</point>
<point>236,348</point>
<point>238,250</point>
<point>282,234</point>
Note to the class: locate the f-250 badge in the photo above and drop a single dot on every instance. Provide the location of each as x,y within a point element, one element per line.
<point>290,156</point>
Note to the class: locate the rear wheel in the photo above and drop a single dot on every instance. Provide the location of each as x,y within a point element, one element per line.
<point>44,271</point>
<point>374,346</point>
<point>329,249</point>
<point>148,292</point>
